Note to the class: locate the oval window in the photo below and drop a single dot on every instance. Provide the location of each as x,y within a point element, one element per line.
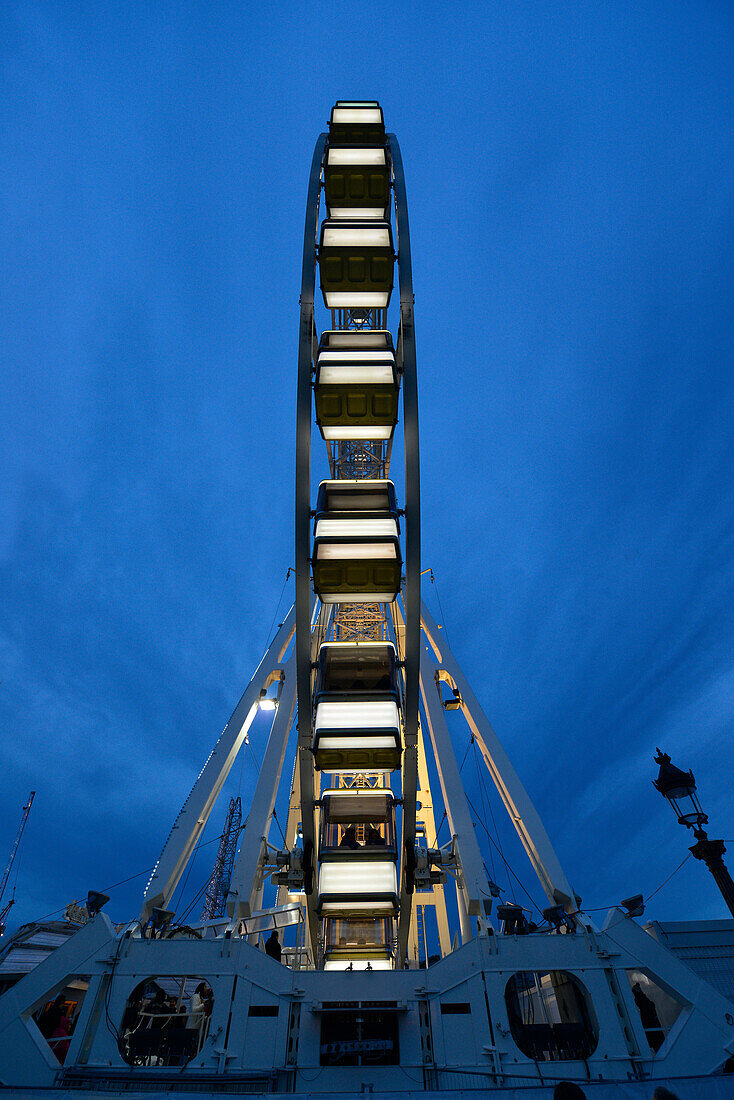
<point>550,1015</point>
<point>166,1021</point>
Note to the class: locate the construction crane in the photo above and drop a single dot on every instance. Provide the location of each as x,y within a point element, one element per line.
<point>13,852</point>
<point>216,891</point>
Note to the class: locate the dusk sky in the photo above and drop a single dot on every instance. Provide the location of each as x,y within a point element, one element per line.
<point>569,175</point>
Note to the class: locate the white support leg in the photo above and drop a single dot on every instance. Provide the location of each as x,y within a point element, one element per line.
<point>246,882</point>
<point>195,811</point>
<point>522,813</point>
<point>473,881</point>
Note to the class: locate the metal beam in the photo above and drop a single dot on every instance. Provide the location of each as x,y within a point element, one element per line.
<point>522,812</point>
<point>303,527</point>
<point>246,873</point>
<point>195,811</point>
<point>412,596</point>
<point>473,880</point>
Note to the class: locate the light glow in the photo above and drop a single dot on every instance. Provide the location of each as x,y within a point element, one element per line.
<point>377,742</point>
<point>364,212</point>
<point>366,355</point>
<point>379,714</point>
<point>355,236</point>
<point>341,373</point>
<point>341,157</point>
<point>358,964</point>
<point>349,115</point>
<point>356,528</point>
<point>374,339</point>
<point>357,597</point>
<point>360,877</point>
<point>346,551</point>
<point>356,299</point>
<point>374,908</point>
<point>371,434</point>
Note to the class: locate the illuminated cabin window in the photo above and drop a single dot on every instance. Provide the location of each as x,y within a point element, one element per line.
<point>356,551</point>
<point>550,1016</point>
<point>356,263</point>
<point>358,939</point>
<point>357,182</point>
<point>658,1009</point>
<point>346,667</point>
<point>357,824</point>
<point>166,1021</point>
<point>356,386</point>
<point>358,888</point>
<point>356,122</point>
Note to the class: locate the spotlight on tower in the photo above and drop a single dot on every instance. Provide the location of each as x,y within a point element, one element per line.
<point>95,902</point>
<point>635,905</point>
<point>265,702</point>
<point>160,920</point>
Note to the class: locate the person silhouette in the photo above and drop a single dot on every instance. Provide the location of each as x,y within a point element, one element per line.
<point>349,839</point>
<point>272,946</point>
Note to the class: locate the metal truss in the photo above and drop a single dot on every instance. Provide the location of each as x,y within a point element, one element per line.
<point>357,459</point>
<point>218,886</point>
<point>356,319</point>
<point>359,622</point>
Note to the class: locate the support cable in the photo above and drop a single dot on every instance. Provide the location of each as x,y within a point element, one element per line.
<point>485,806</point>
<point>277,607</point>
<point>507,865</point>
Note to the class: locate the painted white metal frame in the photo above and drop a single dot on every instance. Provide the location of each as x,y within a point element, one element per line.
<point>195,811</point>
<point>522,812</point>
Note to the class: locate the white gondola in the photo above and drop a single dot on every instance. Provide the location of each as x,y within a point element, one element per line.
<point>357,854</point>
<point>356,549</point>
<point>356,386</point>
<point>356,262</point>
<point>357,708</point>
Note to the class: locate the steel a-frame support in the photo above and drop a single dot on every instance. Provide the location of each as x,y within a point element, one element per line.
<point>520,808</point>
<point>245,890</point>
<point>195,811</point>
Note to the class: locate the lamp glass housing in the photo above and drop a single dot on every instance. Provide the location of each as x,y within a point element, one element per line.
<point>687,807</point>
<point>679,788</point>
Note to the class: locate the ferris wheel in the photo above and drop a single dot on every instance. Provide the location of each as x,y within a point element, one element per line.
<point>359,659</point>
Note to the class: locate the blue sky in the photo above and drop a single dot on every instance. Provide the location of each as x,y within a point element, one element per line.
<point>569,172</point>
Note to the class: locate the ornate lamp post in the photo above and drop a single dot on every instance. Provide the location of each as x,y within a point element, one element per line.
<point>679,788</point>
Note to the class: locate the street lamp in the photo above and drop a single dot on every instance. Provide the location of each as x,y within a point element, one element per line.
<point>679,788</point>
